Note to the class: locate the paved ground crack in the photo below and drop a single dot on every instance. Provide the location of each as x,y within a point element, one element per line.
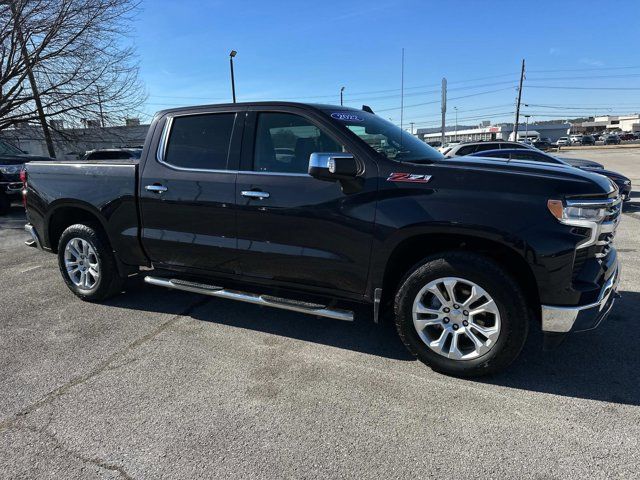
<point>92,460</point>
<point>101,367</point>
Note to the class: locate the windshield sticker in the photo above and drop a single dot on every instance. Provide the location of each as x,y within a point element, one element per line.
<point>347,117</point>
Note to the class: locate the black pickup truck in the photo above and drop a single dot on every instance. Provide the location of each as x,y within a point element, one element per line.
<point>317,208</point>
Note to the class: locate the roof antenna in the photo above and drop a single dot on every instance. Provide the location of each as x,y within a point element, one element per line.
<point>366,108</point>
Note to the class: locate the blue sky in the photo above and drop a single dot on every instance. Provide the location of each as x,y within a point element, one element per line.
<point>307,50</point>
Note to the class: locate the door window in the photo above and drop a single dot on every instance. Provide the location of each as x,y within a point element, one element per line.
<point>285,141</point>
<point>200,142</point>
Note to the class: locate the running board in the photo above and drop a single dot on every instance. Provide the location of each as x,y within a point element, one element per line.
<point>256,299</point>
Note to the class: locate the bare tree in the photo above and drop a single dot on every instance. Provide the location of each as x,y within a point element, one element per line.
<point>68,60</point>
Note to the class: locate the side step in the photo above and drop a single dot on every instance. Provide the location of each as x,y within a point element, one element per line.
<point>256,299</point>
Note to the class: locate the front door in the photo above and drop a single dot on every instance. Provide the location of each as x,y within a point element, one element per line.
<point>187,191</point>
<point>293,228</point>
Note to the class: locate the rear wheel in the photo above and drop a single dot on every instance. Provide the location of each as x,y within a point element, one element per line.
<point>461,314</point>
<point>87,263</point>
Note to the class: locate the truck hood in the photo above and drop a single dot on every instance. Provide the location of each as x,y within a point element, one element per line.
<point>590,182</point>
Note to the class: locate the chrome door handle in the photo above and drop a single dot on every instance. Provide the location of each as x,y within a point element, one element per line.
<point>156,188</point>
<point>255,194</point>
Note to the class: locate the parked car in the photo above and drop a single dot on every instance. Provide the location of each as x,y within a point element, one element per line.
<point>611,139</point>
<point>463,254</point>
<point>12,160</point>
<point>587,140</point>
<point>626,136</point>
<point>563,142</point>
<point>576,139</point>
<point>543,144</point>
<point>435,144</point>
<point>112,154</point>
<point>472,148</point>
<point>623,183</point>
<point>449,145</point>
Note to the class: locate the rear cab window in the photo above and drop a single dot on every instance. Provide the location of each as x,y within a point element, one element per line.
<point>199,142</point>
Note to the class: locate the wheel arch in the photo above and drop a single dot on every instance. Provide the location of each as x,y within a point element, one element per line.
<point>64,214</point>
<point>413,249</point>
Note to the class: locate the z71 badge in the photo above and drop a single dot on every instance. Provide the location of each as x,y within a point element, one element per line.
<point>408,177</point>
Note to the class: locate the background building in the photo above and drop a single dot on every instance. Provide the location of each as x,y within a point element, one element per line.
<point>625,123</point>
<point>71,143</point>
<point>504,131</point>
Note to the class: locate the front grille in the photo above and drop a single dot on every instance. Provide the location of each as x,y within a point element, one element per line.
<point>599,248</point>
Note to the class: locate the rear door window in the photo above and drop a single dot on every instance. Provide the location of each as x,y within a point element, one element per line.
<point>200,142</point>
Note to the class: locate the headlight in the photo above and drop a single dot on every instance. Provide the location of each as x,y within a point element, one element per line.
<point>10,169</point>
<point>577,211</point>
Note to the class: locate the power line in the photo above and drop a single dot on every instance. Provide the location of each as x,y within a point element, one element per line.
<point>581,88</point>
<point>585,69</point>
<point>452,98</point>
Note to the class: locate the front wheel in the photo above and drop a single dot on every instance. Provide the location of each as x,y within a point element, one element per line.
<point>87,263</point>
<point>461,314</point>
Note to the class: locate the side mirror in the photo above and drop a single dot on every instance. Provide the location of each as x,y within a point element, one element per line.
<point>333,166</point>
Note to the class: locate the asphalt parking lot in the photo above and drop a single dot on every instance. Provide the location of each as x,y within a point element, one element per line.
<point>163,384</point>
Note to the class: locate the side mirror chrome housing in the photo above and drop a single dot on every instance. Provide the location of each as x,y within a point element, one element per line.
<point>333,166</point>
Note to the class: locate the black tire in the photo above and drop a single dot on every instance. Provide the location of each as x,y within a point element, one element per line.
<point>109,282</point>
<point>5,203</point>
<point>511,303</point>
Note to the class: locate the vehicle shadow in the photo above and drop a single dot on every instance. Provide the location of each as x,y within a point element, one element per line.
<point>601,364</point>
<point>362,335</point>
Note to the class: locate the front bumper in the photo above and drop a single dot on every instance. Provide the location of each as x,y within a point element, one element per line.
<point>582,317</point>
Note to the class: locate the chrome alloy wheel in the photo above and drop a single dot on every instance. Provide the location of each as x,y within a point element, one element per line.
<point>82,263</point>
<point>456,318</point>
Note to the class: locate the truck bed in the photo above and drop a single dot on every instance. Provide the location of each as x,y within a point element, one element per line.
<point>105,189</point>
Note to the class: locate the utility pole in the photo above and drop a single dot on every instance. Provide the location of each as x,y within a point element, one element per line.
<point>456,110</point>
<point>341,90</point>
<point>100,107</point>
<point>32,79</point>
<point>444,107</point>
<point>526,131</point>
<point>233,80</point>
<point>401,95</point>
<point>515,127</point>
<point>412,124</point>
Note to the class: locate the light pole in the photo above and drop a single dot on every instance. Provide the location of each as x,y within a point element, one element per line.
<point>526,129</point>
<point>341,90</point>
<point>412,124</point>
<point>233,80</point>
<point>456,110</point>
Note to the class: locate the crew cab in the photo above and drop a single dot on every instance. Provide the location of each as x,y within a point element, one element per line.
<point>319,209</point>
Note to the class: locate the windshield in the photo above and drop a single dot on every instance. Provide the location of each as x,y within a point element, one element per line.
<point>385,137</point>
<point>6,149</point>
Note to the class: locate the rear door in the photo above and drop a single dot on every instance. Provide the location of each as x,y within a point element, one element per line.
<point>187,191</point>
<point>293,228</point>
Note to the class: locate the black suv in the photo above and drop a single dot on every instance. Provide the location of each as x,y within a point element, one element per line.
<point>12,160</point>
